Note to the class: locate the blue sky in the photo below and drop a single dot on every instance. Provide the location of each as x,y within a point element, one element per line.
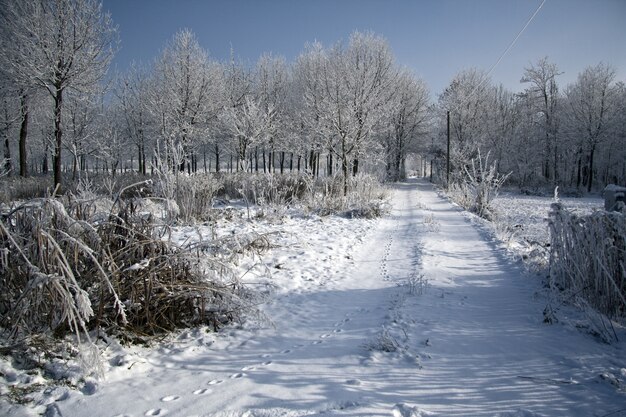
<point>436,39</point>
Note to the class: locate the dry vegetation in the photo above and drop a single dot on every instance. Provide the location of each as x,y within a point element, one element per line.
<point>98,259</point>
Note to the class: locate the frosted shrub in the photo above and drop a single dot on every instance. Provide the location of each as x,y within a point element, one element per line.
<point>588,257</point>
<point>480,187</point>
<point>63,274</point>
<point>324,196</point>
<point>194,196</point>
<point>366,197</point>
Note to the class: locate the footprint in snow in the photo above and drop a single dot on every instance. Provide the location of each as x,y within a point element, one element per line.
<point>286,351</point>
<point>215,382</point>
<point>237,375</point>
<point>317,342</point>
<point>170,398</point>
<point>265,355</point>
<point>337,331</point>
<point>156,412</point>
<point>325,336</point>
<point>202,391</point>
<point>266,363</point>
<point>248,368</point>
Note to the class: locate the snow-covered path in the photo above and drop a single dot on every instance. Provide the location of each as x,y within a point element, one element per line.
<point>428,318</point>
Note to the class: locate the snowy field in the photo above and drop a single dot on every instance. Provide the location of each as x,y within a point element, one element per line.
<point>416,314</point>
<point>521,223</point>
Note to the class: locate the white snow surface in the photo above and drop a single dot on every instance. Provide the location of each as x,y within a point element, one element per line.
<point>416,314</point>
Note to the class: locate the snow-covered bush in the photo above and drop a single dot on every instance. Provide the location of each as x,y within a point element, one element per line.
<point>366,197</point>
<point>324,196</point>
<point>588,257</point>
<point>479,187</point>
<point>194,196</point>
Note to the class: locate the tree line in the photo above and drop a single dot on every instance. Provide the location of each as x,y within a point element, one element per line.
<point>334,110</point>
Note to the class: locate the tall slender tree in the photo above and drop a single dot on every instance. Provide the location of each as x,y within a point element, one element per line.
<point>60,45</point>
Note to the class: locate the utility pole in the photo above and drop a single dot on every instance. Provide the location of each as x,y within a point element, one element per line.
<point>448,154</point>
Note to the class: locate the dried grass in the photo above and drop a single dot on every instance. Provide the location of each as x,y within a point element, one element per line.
<point>588,257</point>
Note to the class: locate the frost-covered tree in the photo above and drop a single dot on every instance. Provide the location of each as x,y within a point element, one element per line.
<point>184,95</point>
<point>408,121</point>
<point>58,45</point>
<point>354,93</point>
<point>132,92</point>
<point>237,90</point>
<point>467,99</point>
<point>250,124</point>
<point>543,94</point>
<point>271,83</point>
<point>309,86</point>
<point>9,116</point>
<point>592,109</point>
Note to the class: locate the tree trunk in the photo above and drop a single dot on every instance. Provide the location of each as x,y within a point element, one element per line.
<point>8,165</point>
<point>264,162</point>
<point>355,167</point>
<point>590,183</point>
<point>23,136</point>
<point>58,136</point>
<point>217,158</point>
<point>344,169</point>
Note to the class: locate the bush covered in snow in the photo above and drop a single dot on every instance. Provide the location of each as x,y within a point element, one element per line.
<point>479,187</point>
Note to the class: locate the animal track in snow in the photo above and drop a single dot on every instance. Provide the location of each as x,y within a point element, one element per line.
<point>170,398</point>
<point>286,351</point>
<point>266,363</point>
<point>237,375</point>
<point>248,368</point>
<point>317,342</point>
<point>324,336</point>
<point>215,382</point>
<point>265,355</point>
<point>337,331</point>
<point>156,412</point>
<point>202,391</point>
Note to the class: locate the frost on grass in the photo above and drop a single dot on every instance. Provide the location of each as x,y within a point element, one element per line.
<point>63,273</point>
<point>588,263</point>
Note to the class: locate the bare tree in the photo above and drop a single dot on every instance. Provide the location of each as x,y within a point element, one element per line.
<point>409,120</point>
<point>60,45</point>
<point>250,124</point>
<point>132,92</point>
<point>467,99</point>
<point>185,91</point>
<point>271,83</point>
<point>354,92</point>
<point>592,104</point>
<point>543,93</point>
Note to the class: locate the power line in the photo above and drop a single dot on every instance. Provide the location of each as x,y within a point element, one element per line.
<point>519,34</point>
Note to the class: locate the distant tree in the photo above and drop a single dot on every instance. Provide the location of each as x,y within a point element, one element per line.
<point>59,45</point>
<point>132,92</point>
<point>238,90</point>
<point>356,92</point>
<point>592,108</point>
<point>250,124</point>
<point>308,86</point>
<point>271,83</point>
<point>185,92</point>
<point>408,119</point>
<point>9,116</point>
<point>467,98</point>
<point>543,94</point>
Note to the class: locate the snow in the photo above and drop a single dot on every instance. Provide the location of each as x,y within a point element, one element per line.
<point>416,314</point>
